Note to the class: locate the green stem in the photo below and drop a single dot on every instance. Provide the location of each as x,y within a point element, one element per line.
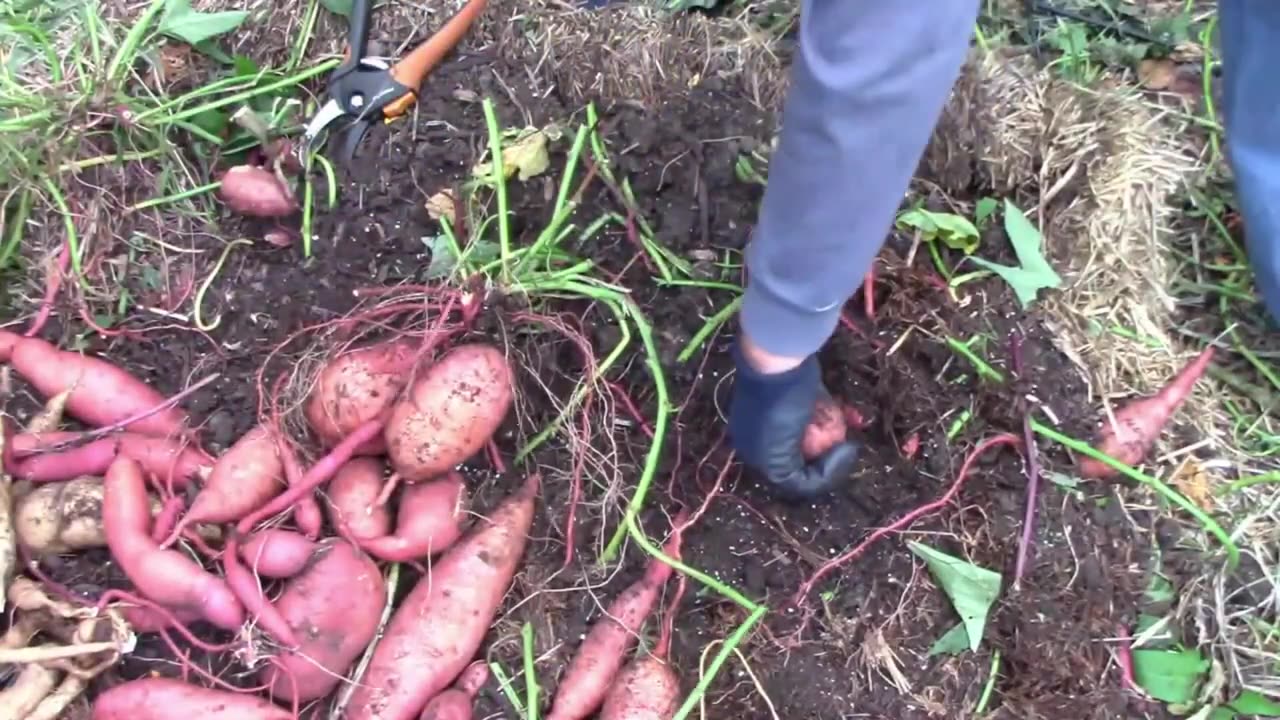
<point>243,96</point>
<point>530,677</point>
<point>978,363</point>
<point>507,687</point>
<point>1238,485</point>
<point>730,644</point>
<point>1209,524</point>
<point>204,286</point>
<point>498,176</point>
<point>712,324</point>
<point>69,227</point>
<point>207,187</point>
<point>123,59</point>
<point>989,689</point>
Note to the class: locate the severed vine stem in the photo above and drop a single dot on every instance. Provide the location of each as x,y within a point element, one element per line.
<point>1033,470</point>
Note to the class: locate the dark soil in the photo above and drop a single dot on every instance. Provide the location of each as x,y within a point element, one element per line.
<point>838,654</point>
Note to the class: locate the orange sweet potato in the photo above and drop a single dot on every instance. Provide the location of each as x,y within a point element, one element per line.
<point>358,386</point>
<point>155,698</point>
<point>428,520</point>
<point>352,495</point>
<point>437,629</point>
<point>450,412</point>
<point>333,606</point>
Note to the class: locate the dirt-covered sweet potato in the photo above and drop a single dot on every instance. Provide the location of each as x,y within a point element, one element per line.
<point>358,386</point>
<point>450,412</point>
<point>826,428</point>
<point>333,606</point>
<point>429,519</point>
<point>247,475</point>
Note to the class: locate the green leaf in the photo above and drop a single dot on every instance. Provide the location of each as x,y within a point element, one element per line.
<point>952,642</point>
<point>194,27</point>
<point>984,209</point>
<point>1034,272</point>
<point>1169,675</point>
<point>953,230</point>
<point>1255,703</point>
<point>338,7</point>
<point>972,589</point>
<point>1222,713</point>
<point>244,66</point>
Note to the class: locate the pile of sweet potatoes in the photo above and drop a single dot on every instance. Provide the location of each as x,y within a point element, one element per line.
<point>281,554</point>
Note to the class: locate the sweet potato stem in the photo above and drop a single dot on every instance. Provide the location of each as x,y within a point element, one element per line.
<point>530,673</point>
<point>1208,523</point>
<point>906,520</point>
<point>1033,469</point>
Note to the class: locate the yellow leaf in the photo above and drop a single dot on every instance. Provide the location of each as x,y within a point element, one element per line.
<point>441,205</point>
<point>524,157</point>
<point>1193,481</point>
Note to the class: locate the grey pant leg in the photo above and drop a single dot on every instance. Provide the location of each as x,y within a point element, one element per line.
<point>868,83</point>
<point>1250,32</point>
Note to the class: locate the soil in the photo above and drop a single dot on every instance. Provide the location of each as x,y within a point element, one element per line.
<point>858,646</point>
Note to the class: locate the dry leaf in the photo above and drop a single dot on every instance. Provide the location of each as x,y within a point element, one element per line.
<point>1157,73</point>
<point>441,205</point>
<point>526,157</point>
<point>1194,482</point>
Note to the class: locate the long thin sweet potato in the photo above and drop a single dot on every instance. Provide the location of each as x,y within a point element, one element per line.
<point>166,576</point>
<point>101,393</point>
<point>154,698</point>
<point>1139,423</point>
<point>604,650</point>
<point>157,456</point>
<point>439,626</point>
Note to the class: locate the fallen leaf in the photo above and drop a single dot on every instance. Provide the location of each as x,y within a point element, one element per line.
<point>526,157</point>
<point>441,205</point>
<point>1169,675</point>
<point>972,589</point>
<point>1193,481</point>
<point>1157,73</point>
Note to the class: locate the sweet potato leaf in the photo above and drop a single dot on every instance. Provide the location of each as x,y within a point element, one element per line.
<point>1170,675</point>
<point>972,589</point>
<point>1033,273</point>
<point>193,27</point>
<point>952,642</point>
<point>1255,703</point>
<point>954,231</point>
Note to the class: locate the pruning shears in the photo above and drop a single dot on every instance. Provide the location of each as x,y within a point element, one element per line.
<point>364,90</point>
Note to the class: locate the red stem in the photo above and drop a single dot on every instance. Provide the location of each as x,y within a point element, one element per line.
<point>53,283</point>
<point>1033,474</point>
<point>869,292</point>
<point>906,520</point>
<point>575,493</point>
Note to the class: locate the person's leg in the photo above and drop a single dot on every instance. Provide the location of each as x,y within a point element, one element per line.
<point>1250,37</point>
<point>868,84</point>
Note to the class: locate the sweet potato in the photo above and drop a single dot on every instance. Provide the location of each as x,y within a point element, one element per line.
<point>8,341</point>
<point>155,698</point>
<point>352,496</point>
<point>455,703</point>
<point>334,607</point>
<point>166,576</point>
<point>450,412</point>
<point>356,387</point>
<point>440,624</point>
<point>57,518</point>
<point>61,517</point>
<point>276,553</point>
<point>306,513</point>
<point>8,526</point>
<point>428,520</point>
<point>1139,423</point>
<point>157,456</point>
<point>605,647</point>
<point>247,475</point>
<point>101,393</point>
<point>646,689</point>
<point>826,428</point>
<point>257,192</point>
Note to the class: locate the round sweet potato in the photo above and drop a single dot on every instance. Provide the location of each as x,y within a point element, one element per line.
<point>351,496</point>
<point>256,191</point>
<point>357,387</point>
<point>825,429</point>
<point>334,606</point>
<point>450,412</point>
